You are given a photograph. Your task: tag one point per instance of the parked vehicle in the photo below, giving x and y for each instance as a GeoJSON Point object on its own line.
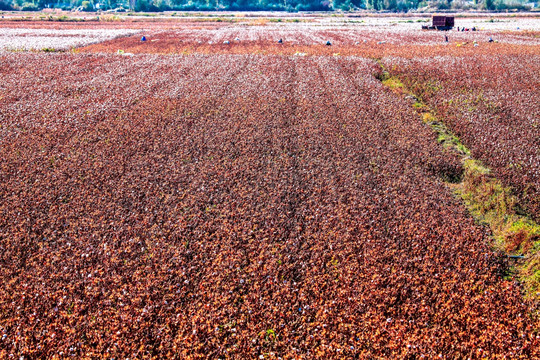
{"type": "Point", "coordinates": [440, 22]}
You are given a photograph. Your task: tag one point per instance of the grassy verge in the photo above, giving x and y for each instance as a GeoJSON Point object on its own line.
{"type": "Point", "coordinates": [486, 198]}
{"type": "Point", "coordinates": [491, 203]}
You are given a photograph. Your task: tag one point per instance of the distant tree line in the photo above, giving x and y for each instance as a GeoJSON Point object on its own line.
{"type": "Point", "coordinates": [275, 5]}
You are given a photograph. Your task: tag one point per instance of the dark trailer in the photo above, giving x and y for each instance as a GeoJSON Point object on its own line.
{"type": "Point", "coordinates": [441, 22]}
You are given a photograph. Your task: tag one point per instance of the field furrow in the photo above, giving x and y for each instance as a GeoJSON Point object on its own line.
{"type": "Point", "coordinates": [256, 207]}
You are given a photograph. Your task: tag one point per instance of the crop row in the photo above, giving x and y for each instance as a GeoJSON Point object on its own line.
{"type": "Point", "coordinates": [235, 207]}
{"type": "Point", "coordinates": [495, 111]}
{"type": "Point", "coordinates": [311, 40]}
{"type": "Point", "coordinates": [366, 37]}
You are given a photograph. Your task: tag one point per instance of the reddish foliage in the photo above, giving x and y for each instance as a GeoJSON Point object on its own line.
{"type": "Point", "coordinates": [170, 43]}
{"type": "Point", "coordinates": [232, 207]}
{"type": "Point", "coordinates": [491, 103]}
{"type": "Point", "coordinates": [310, 38]}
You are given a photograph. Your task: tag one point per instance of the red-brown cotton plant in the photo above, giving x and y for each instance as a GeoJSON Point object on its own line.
{"type": "Point", "coordinates": [235, 206]}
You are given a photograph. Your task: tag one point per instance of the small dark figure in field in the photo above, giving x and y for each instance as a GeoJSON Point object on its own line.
{"type": "Point", "coordinates": [280, 41]}
{"type": "Point", "coordinates": [446, 38]}
{"type": "Point", "coordinates": [328, 43]}
{"type": "Point", "coordinates": [143, 38]}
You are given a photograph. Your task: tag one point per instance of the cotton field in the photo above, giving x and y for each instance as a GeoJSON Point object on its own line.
{"type": "Point", "coordinates": [17, 39]}
{"type": "Point", "coordinates": [186, 188]}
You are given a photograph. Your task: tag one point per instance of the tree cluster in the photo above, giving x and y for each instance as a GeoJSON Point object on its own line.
{"type": "Point", "coordinates": [274, 5]}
